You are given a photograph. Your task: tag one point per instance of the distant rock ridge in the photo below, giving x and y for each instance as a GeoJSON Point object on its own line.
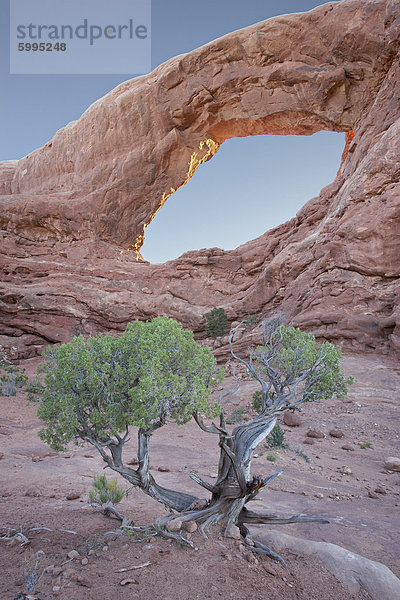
{"type": "Point", "coordinates": [73, 213]}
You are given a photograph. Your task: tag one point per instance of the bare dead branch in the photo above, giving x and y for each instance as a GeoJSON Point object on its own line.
{"type": "Point", "coordinates": [208, 486]}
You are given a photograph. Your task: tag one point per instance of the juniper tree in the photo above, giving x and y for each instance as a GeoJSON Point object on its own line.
{"type": "Point", "coordinates": [95, 389]}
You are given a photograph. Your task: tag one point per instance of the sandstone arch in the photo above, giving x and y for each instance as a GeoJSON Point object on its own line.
{"type": "Point", "coordinates": [89, 193]}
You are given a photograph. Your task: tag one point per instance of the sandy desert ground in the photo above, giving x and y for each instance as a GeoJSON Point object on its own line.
{"type": "Point", "coordinates": [343, 482]}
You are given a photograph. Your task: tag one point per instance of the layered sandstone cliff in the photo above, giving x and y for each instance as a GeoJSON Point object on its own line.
{"type": "Point", "coordinates": [73, 213]}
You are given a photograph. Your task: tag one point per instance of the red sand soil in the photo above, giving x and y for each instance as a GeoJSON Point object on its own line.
{"type": "Point", "coordinates": [336, 484]}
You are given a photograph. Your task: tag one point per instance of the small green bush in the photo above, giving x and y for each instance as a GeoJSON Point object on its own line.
{"type": "Point", "coordinates": [90, 545]}
{"type": "Point", "coordinates": [256, 403]}
{"type": "Point", "coordinates": [271, 457]}
{"type": "Point", "coordinates": [104, 491]}
{"type": "Point", "coordinates": [217, 322]}
{"type": "Point", "coordinates": [365, 445]}
{"type": "Point", "coordinates": [276, 438]}
{"type": "Point", "coordinates": [11, 377]}
{"type": "Point", "coordinates": [250, 321]}
{"type": "Point", "coordinates": [236, 417]}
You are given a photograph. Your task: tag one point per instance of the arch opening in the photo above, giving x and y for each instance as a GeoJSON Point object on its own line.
{"type": "Point", "coordinates": [252, 185]}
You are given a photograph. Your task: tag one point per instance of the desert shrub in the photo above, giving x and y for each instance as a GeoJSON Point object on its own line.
{"type": "Point", "coordinates": [235, 417]}
{"type": "Point", "coordinates": [250, 321]}
{"type": "Point", "coordinates": [217, 322]}
{"type": "Point", "coordinates": [365, 445]}
{"type": "Point", "coordinates": [91, 544]}
{"type": "Point", "coordinates": [276, 439]}
{"type": "Point", "coordinates": [104, 491]}
{"type": "Point", "coordinates": [34, 387]}
{"type": "Point", "coordinates": [256, 403]}
{"type": "Point", "coordinates": [32, 571]}
{"type": "Point", "coordinates": [11, 377]}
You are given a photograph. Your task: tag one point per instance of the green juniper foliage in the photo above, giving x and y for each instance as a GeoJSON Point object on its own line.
{"type": "Point", "coordinates": [298, 367]}
{"type": "Point", "coordinates": [217, 322]}
{"type": "Point", "coordinates": [97, 387]}
{"type": "Point", "coordinates": [250, 321]}
{"type": "Point", "coordinates": [256, 403]}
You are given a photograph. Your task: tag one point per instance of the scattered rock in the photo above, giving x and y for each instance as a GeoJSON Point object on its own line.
{"type": "Point", "coordinates": [73, 496]}
{"type": "Point", "coordinates": [319, 495]}
{"type": "Point", "coordinates": [251, 558]}
{"type": "Point", "coordinates": [190, 526]}
{"type": "Point", "coordinates": [214, 475]}
{"type": "Point", "coordinates": [380, 490]}
{"type": "Point", "coordinates": [72, 554]}
{"type": "Point", "coordinates": [37, 458]}
{"type": "Point", "coordinates": [174, 525]}
{"type": "Point", "coordinates": [291, 419]}
{"type": "Point", "coordinates": [88, 456]}
{"type": "Point", "coordinates": [348, 447]}
{"type": "Point", "coordinates": [309, 441]}
{"type": "Point", "coordinates": [392, 463]}
{"type": "Point", "coordinates": [315, 434]}
{"type": "Point", "coordinates": [336, 433]}
{"type": "Point", "coordinates": [6, 494]}
{"type": "Point", "coordinates": [1, 455]}
{"type": "Point", "coordinates": [32, 493]}
{"type": "Point", "coordinates": [85, 561]}
{"type": "Point", "coordinates": [270, 569]}
{"type": "Point", "coordinates": [128, 582]}
{"type": "Point", "coordinates": [55, 571]}
{"type": "Point", "coordinates": [232, 531]}
{"type": "Point", "coordinates": [84, 581]}
{"type": "Point", "coordinates": [164, 469]}
{"type": "Point", "coordinates": [227, 556]}
{"type": "Point", "coordinates": [346, 470]}
{"type": "Point", "coordinates": [372, 494]}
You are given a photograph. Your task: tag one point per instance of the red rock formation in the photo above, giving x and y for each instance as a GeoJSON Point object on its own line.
{"type": "Point", "coordinates": [69, 208]}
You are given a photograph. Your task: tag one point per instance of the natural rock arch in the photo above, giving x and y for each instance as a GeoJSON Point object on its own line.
{"type": "Point", "coordinates": [91, 191]}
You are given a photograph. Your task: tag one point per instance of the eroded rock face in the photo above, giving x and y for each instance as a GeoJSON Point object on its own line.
{"type": "Point", "coordinates": [71, 210]}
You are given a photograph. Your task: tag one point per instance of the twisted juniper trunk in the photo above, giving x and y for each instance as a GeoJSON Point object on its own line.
{"type": "Point", "coordinates": [141, 477]}
{"type": "Point", "coordinates": [232, 490]}
{"type": "Point", "coordinates": [176, 500]}
{"type": "Point", "coordinates": [234, 487]}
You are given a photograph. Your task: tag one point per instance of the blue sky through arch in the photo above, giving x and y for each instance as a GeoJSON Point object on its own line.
{"type": "Point", "coordinates": [251, 185]}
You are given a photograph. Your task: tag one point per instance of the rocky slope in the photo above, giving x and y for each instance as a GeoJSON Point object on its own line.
{"type": "Point", "coordinates": [73, 213]}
